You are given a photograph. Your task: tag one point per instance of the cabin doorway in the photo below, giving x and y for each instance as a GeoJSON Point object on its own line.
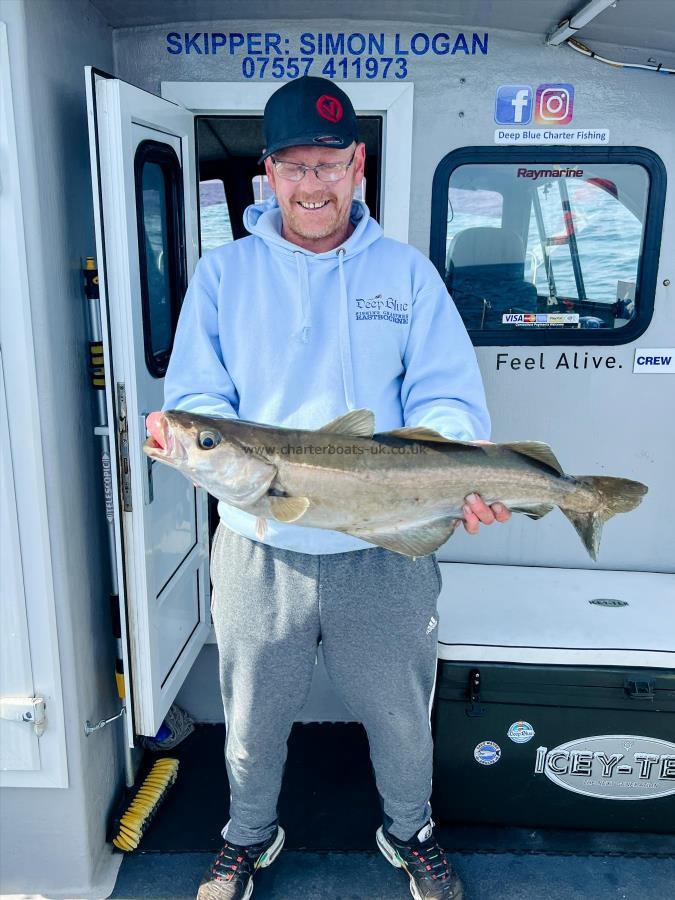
{"type": "Point", "coordinates": [231, 178]}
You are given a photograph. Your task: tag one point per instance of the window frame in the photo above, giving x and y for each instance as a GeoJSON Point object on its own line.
{"type": "Point", "coordinates": [645, 284]}
{"type": "Point", "coordinates": [163, 155]}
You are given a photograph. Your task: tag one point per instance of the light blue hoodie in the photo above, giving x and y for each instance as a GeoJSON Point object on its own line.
{"type": "Point", "coordinates": [273, 333]}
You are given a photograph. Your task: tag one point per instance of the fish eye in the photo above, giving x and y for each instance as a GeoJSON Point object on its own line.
{"type": "Point", "coordinates": [208, 439]}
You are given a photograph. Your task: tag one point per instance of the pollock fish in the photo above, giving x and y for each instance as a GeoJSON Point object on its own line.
{"type": "Point", "coordinates": [403, 490]}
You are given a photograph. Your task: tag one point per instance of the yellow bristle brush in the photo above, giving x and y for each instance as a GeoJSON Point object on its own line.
{"type": "Point", "coordinates": [131, 825]}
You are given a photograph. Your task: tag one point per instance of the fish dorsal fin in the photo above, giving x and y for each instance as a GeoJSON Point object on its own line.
{"type": "Point", "coordinates": [417, 540]}
{"type": "Point", "coordinates": [357, 423]}
{"type": "Point", "coordinates": [421, 433]}
{"type": "Point", "coordinates": [288, 509]}
{"type": "Point", "coordinates": [536, 450]}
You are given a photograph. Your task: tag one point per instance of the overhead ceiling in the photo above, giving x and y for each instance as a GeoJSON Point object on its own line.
{"type": "Point", "coordinates": [648, 24]}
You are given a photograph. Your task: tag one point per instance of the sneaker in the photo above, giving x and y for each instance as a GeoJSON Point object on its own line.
{"type": "Point", "coordinates": [431, 875]}
{"type": "Point", "coordinates": [230, 875]}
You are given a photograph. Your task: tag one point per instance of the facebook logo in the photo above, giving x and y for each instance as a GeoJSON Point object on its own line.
{"type": "Point", "coordinates": [514, 104]}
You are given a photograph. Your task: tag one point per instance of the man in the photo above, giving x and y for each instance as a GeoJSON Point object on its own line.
{"type": "Point", "coordinates": [314, 314]}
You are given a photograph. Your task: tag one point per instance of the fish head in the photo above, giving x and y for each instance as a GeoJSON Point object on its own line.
{"type": "Point", "coordinates": [210, 452]}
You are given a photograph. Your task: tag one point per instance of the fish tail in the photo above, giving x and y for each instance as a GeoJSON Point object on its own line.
{"type": "Point", "coordinates": [615, 495]}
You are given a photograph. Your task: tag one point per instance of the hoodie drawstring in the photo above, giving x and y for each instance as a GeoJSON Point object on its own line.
{"type": "Point", "coordinates": [303, 289]}
{"type": "Point", "coordinates": [345, 340]}
{"type": "Point", "coordinates": [343, 320]}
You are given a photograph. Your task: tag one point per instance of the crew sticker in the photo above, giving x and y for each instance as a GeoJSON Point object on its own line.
{"type": "Point", "coordinates": [487, 753]}
{"type": "Point", "coordinates": [520, 732]}
{"type": "Point", "coordinates": [656, 362]}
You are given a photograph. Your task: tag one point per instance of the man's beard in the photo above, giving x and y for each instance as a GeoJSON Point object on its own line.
{"type": "Point", "coordinates": [299, 225]}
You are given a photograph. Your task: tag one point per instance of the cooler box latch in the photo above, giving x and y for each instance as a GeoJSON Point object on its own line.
{"type": "Point", "coordinates": [475, 709]}
{"type": "Point", "coordinates": [639, 689]}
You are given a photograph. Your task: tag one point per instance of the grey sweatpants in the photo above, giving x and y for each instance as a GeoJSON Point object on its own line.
{"type": "Point", "coordinates": [375, 613]}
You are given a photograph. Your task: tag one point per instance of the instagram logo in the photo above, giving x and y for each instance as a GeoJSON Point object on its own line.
{"type": "Point", "coordinates": [554, 104]}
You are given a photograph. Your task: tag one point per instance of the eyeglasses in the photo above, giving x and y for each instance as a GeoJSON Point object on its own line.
{"type": "Point", "coordinates": [324, 172]}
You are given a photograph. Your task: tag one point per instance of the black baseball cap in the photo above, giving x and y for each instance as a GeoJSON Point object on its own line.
{"type": "Point", "coordinates": [309, 110]}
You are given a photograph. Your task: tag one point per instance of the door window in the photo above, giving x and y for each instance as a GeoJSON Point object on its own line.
{"type": "Point", "coordinates": [159, 213]}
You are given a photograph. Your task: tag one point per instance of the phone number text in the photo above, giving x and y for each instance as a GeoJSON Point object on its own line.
{"type": "Point", "coordinates": [296, 66]}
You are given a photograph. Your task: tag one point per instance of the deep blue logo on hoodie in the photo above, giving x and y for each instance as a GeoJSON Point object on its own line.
{"type": "Point", "coordinates": [381, 307]}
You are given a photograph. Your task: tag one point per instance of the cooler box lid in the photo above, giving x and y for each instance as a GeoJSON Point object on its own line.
{"type": "Point", "coordinates": [551, 616]}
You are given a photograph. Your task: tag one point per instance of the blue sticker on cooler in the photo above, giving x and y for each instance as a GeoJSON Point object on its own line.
{"type": "Point", "coordinates": [521, 732]}
{"type": "Point", "coordinates": [487, 753]}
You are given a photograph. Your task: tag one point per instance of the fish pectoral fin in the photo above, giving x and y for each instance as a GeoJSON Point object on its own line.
{"type": "Point", "coordinates": [417, 540]}
{"type": "Point", "coordinates": [357, 423]}
{"type": "Point", "coordinates": [536, 450]}
{"type": "Point", "coordinates": [533, 512]}
{"type": "Point", "coordinates": [288, 509]}
{"type": "Point", "coordinates": [421, 433]}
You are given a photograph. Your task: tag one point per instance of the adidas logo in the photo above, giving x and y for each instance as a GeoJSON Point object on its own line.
{"type": "Point", "coordinates": [433, 622]}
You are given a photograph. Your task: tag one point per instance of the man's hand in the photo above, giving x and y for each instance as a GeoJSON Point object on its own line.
{"type": "Point", "coordinates": [477, 513]}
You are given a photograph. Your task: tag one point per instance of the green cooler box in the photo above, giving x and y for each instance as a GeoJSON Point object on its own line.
{"type": "Point", "coordinates": [555, 699]}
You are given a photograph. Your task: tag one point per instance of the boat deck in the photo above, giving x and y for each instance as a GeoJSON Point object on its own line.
{"type": "Point", "coordinates": [330, 811]}
{"type": "Point", "coordinates": [302, 875]}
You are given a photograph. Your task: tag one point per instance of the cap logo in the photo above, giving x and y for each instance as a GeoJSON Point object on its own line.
{"type": "Point", "coordinates": [329, 108]}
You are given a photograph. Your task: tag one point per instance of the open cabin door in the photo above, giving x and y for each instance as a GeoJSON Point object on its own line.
{"type": "Point", "coordinates": [145, 199]}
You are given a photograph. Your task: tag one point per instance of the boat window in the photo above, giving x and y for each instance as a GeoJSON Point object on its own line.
{"type": "Point", "coordinates": [214, 216]}
{"type": "Point", "coordinates": [159, 213]}
{"type": "Point", "coordinates": [261, 188]}
{"type": "Point", "coordinates": [549, 245]}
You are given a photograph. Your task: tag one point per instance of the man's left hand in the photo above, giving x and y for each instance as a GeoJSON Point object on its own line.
{"type": "Point", "coordinates": [477, 512]}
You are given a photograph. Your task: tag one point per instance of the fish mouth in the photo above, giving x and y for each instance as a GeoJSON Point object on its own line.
{"type": "Point", "coordinates": [152, 447]}
{"type": "Point", "coordinates": [169, 450]}
{"type": "Point", "coordinates": [173, 456]}
{"type": "Point", "coordinates": [155, 450]}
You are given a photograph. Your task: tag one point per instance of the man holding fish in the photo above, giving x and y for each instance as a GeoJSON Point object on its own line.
{"type": "Point", "coordinates": [313, 316]}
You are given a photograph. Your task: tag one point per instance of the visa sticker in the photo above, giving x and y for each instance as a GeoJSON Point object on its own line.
{"type": "Point", "coordinates": [487, 753]}
{"type": "Point", "coordinates": [541, 319]}
{"type": "Point", "coordinates": [520, 732]}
